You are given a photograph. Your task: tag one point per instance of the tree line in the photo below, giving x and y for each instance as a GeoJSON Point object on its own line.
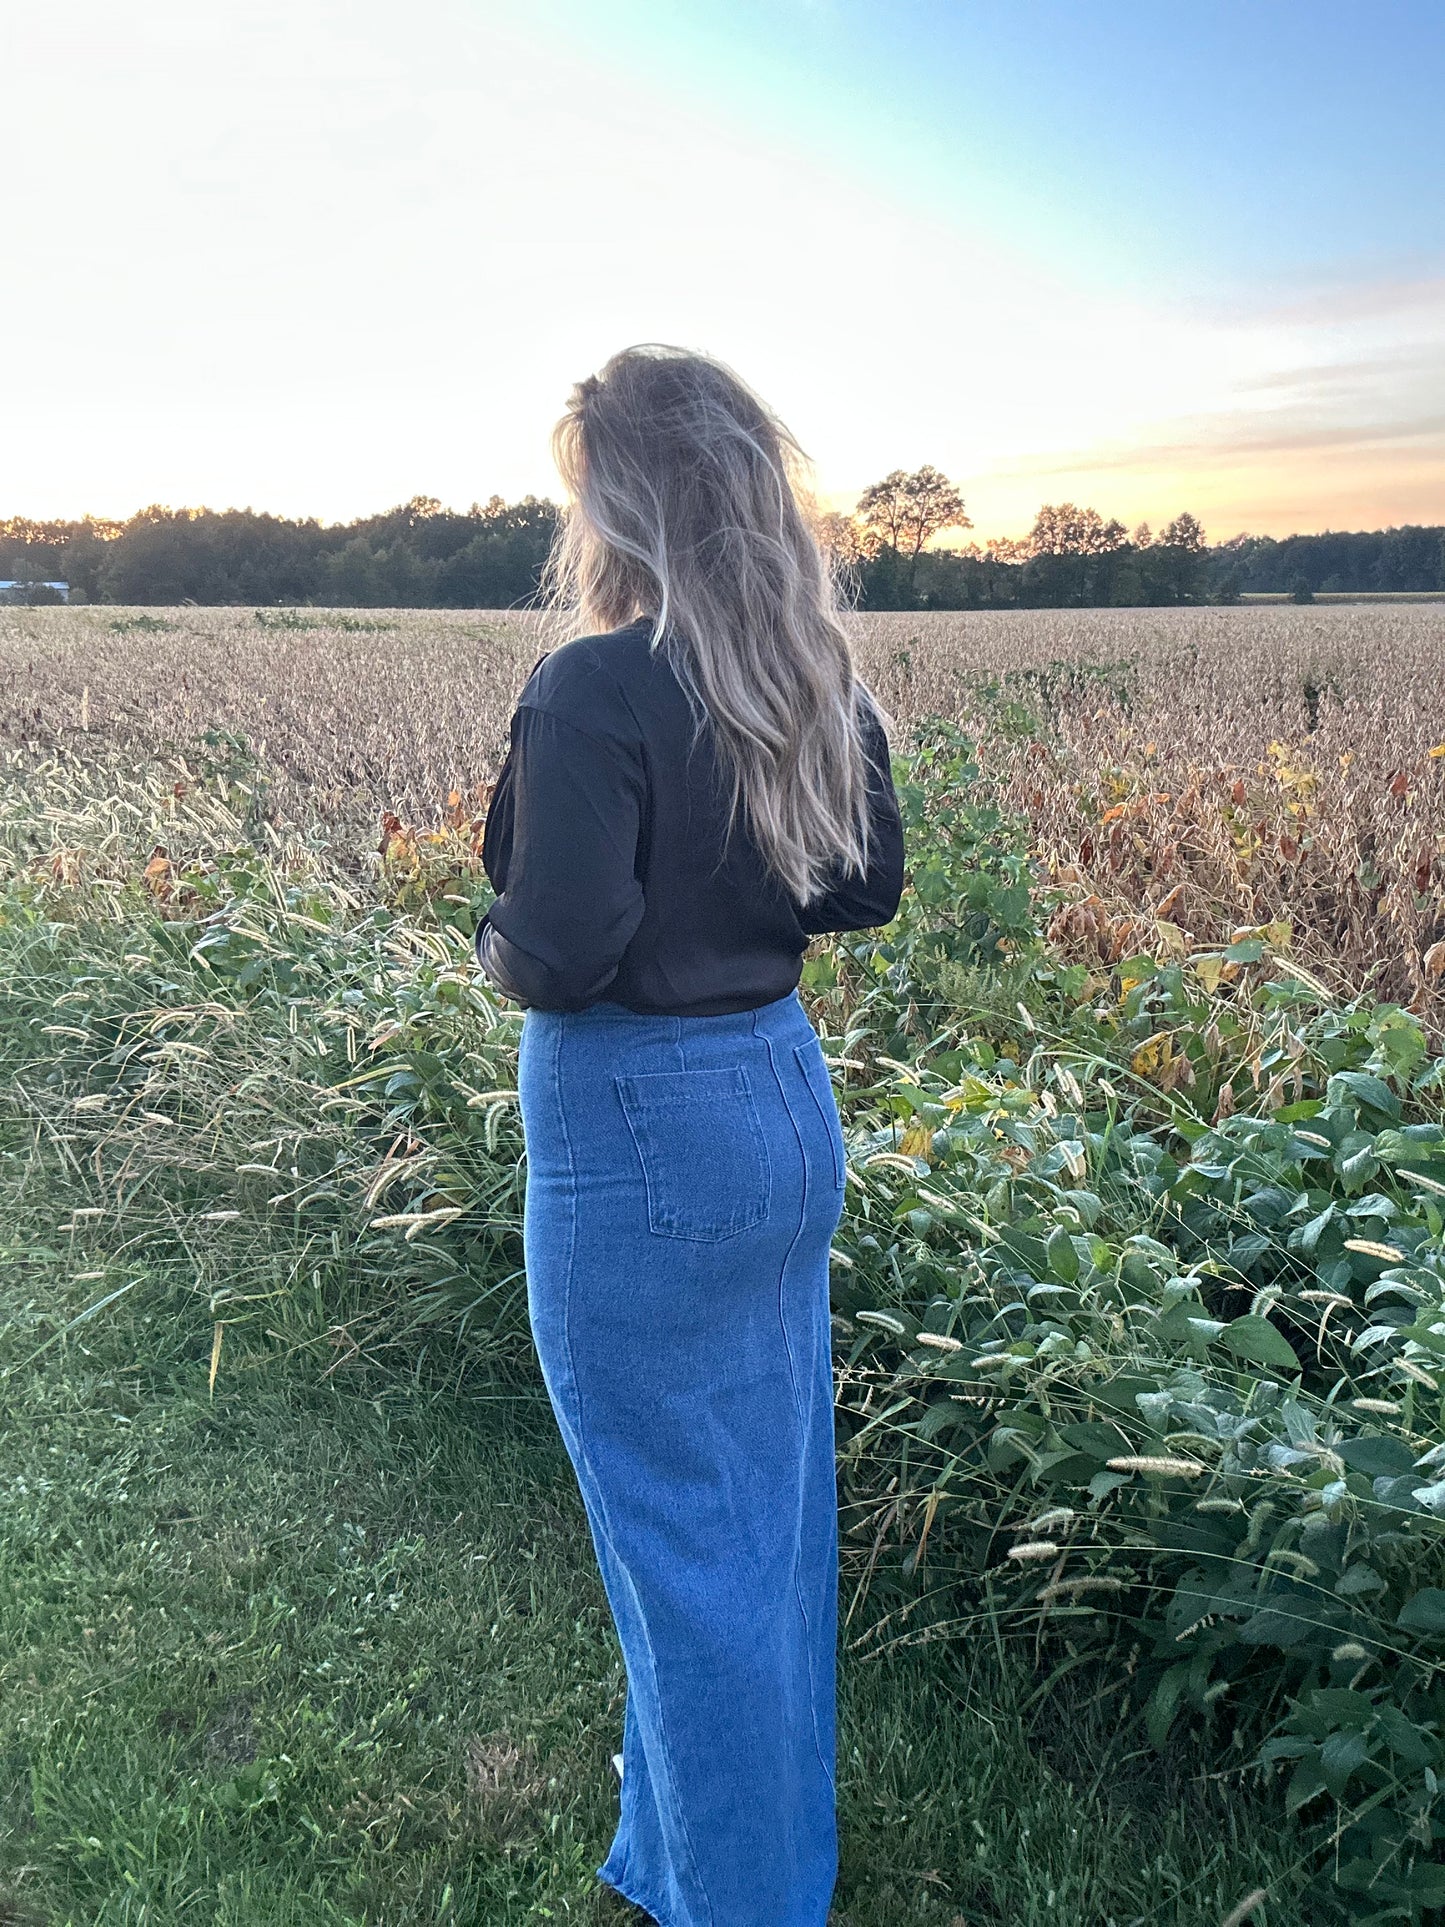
{"type": "Point", "coordinates": [490, 556]}
{"type": "Point", "coordinates": [416, 556]}
{"type": "Point", "coordinates": [1075, 557]}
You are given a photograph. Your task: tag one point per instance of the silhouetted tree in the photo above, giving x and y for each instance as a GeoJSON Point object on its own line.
{"type": "Point", "coordinates": [1067, 530]}
{"type": "Point", "coordinates": [904, 512]}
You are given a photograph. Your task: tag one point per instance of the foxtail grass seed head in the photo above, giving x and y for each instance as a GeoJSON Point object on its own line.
{"type": "Point", "coordinates": [1176, 1468]}
{"type": "Point", "coordinates": [1086, 1582]}
{"type": "Point", "coordinates": [1058, 1515]}
{"type": "Point", "coordinates": [887, 1321]}
{"type": "Point", "coordinates": [1251, 1904]}
{"type": "Point", "coordinates": [1413, 1371]}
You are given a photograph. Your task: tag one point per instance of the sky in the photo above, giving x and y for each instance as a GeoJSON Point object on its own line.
{"type": "Point", "coordinates": [318, 256]}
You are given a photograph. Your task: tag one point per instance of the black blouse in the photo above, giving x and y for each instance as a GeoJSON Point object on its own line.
{"type": "Point", "coordinates": [604, 841]}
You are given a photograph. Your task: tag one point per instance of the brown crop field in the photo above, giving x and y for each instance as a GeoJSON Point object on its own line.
{"type": "Point", "coordinates": [1183, 773]}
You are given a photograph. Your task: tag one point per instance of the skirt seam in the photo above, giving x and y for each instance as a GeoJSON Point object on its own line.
{"type": "Point", "coordinates": [798, 1407]}
{"type": "Point", "coordinates": [597, 1484]}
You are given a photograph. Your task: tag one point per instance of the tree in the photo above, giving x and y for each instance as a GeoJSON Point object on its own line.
{"type": "Point", "coordinates": [1176, 569]}
{"type": "Point", "coordinates": [840, 539]}
{"type": "Point", "coordinates": [1407, 558]}
{"type": "Point", "coordinates": [1184, 532]}
{"type": "Point", "coordinates": [904, 512]}
{"type": "Point", "coordinates": [1067, 530]}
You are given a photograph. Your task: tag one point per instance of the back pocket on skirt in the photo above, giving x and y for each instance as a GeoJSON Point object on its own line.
{"type": "Point", "coordinates": [701, 1147]}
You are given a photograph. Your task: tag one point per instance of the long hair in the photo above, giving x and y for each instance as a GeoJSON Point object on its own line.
{"type": "Point", "coordinates": [687, 504]}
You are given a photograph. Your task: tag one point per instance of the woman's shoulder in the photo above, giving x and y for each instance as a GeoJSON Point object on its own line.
{"type": "Point", "coordinates": [585, 682]}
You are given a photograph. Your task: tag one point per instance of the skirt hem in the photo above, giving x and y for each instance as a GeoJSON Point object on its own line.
{"type": "Point", "coordinates": [615, 1883]}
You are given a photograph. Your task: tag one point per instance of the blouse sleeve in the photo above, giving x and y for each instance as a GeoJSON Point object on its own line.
{"type": "Point", "coordinates": [863, 902]}
{"type": "Point", "coordinates": [570, 900]}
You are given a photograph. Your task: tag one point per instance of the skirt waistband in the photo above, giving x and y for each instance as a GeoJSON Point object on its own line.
{"type": "Point", "coordinates": [784, 1017]}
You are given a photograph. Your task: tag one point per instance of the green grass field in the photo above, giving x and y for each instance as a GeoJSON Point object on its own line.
{"type": "Point", "coordinates": [299, 1654]}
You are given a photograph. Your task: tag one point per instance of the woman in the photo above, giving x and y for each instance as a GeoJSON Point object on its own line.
{"type": "Point", "coordinates": [695, 786]}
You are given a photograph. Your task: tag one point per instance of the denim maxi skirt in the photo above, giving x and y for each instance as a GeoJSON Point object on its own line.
{"type": "Point", "coordinates": [684, 1181]}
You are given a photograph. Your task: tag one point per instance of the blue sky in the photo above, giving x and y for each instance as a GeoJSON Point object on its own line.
{"type": "Point", "coordinates": [1213, 142]}
{"type": "Point", "coordinates": [319, 255]}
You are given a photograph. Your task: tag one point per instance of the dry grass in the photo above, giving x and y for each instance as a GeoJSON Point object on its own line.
{"type": "Point", "coordinates": [1183, 772]}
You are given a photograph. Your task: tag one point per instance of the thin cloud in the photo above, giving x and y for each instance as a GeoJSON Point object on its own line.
{"type": "Point", "coordinates": [1234, 440]}
{"type": "Point", "coordinates": [1330, 378]}
{"type": "Point", "coordinates": [1365, 301]}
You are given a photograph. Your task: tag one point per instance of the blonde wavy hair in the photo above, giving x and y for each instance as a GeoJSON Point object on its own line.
{"type": "Point", "coordinates": [688, 503]}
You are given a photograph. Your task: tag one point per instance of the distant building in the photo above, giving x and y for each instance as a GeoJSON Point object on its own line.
{"type": "Point", "coordinates": [32, 592]}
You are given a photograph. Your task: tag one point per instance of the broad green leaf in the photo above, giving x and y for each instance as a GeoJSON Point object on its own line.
{"type": "Point", "coordinates": [1339, 1756]}
{"type": "Point", "coordinates": [1367, 1090]}
{"type": "Point", "coordinates": [1424, 1612]}
{"type": "Point", "coordinates": [1358, 1579]}
{"type": "Point", "coordinates": [1099, 1441]}
{"type": "Point", "coordinates": [1255, 1339]}
{"type": "Point", "coordinates": [1377, 1455]}
{"type": "Point", "coordinates": [1406, 1741]}
{"type": "Point", "coordinates": [1062, 1256]}
{"type": "Point", "coordinates": [1305, 1782]}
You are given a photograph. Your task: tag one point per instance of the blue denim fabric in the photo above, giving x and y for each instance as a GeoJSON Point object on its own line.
{"type": "Point", "coordinates": [684, 1181]}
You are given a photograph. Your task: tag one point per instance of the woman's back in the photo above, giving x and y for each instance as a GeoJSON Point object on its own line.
{"type": "Point", "coordinates": [607, 844]}
{"type": "Point", "coordinates": [694, 786]}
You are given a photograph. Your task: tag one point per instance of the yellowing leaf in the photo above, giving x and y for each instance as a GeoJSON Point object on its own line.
{"type": "Point", "coordinates": [917, 1141]}
{"type": "Point", "coordinates": [1152, 1055]}
{"type": "Point", "coordinates": [1209, 971]}
{"type": "Point", "coordinates": [159, 875]}
{"type": "Point", "coordinates": [1435, 752]}
{"type": "Point", "coordinates": [972, 1093]}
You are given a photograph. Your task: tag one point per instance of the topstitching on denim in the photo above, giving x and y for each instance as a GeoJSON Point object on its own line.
{"type": "Point", "coordinates": [569, 1273]}
{"type": "Point", "coordinates": [798, 1404]}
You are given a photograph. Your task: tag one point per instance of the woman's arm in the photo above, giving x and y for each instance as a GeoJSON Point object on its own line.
{"type": "Point", "coordinates": [863, 902]}
{"type": "Point", "coordinates": [571, 902]}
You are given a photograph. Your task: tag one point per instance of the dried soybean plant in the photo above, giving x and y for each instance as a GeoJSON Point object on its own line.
{"type": "Point", "coordinates": [348, 712]}
{"type": "Point", "coordinates": [1183, 772]}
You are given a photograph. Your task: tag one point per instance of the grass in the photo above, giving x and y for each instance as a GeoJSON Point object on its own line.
{"type": "Point", "coordinates": [324, 1647]}
{"type": "Point", "coordinates": [290, 1654]}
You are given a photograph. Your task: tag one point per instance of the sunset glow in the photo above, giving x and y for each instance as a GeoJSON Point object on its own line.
{"type": "Point", "coordinates": [318, 258]}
